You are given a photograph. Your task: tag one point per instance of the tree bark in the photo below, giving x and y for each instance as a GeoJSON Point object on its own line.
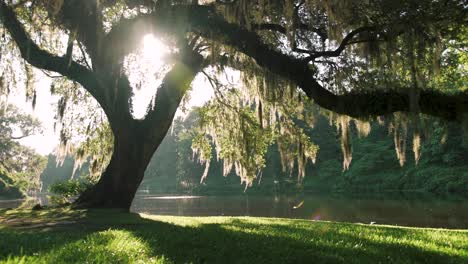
{"type": "Point", "coordinates": [135, 141]}
{"type": "Point", "coordinates": [120, 181]}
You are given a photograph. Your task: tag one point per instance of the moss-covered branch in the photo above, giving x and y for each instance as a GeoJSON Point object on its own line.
{"type": "Point", "coordinates": [204, 20]}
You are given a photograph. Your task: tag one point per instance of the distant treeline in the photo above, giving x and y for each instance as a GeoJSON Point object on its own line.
{"type": "Point", "coordinates": [7, 186]}
{"type": "Point", "coordinates": [442, 168]}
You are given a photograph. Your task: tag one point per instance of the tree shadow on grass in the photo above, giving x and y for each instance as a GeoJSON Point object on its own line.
{"type": "Point", "coordinates": [119, 238]}
{"type": "Point", "coordinates": [243, 242]}
{"type": "Point", "coordinates": [353, 243]}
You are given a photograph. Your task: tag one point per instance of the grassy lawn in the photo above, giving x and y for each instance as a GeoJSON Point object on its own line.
{"type": "Point", "coordinates": [103, 236]}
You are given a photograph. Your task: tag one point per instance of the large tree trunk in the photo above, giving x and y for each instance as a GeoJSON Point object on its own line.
{"type": "Point", "coordinates": [118, 184]}
{"type": "Point", "coordinates": [135, 141]}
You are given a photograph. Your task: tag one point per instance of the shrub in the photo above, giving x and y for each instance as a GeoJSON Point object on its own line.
{"type": "Point", "coordinates": [64, 192]}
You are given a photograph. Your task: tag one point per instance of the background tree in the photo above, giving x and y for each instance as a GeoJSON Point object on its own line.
{"type": "Point", "coordinates": [351, 57]}
{"type": "Point", "coordinates": [22, 165]}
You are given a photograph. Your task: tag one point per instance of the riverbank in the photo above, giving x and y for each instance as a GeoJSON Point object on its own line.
{"type": "Point", "coordinates": [104, 236]}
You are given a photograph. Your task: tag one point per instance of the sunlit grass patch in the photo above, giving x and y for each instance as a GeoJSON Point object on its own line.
{"type": "Point", "coordinates": [110, 236]}
{"type": "Point", "coordinates": [110, 246]}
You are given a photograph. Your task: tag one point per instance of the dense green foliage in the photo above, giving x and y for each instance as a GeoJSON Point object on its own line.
{"type": "Point", "coordinates": [65, 191]}
{"type": "Point", "coordinates": [7, 186]}
{"type": "Point", "coordinates": [442, 167]}
{"type": "Point", "coordinates": [110, 236]}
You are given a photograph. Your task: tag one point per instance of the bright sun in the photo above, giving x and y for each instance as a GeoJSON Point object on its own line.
{"type": "Point", "coordinates": [145, 69]}
{"type": "Point", "coordinates": [153, 50]}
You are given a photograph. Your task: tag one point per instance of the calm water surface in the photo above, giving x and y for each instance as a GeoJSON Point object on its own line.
{"type": "Point", "coordinates": [8, 203]}
{"type": "Point", "coordinates": [422, 212]}
{"type": "Point", "coordinates": [394, 210]}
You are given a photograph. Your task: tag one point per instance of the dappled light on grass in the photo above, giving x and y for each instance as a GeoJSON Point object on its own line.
{"type": "Point", "coordinates": [110, 236]}
{"type": "Point", "coordinates": [110, 246]}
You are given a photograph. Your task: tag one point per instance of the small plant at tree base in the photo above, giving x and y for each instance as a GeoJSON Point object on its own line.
{"type": "Point", "coordinates": [64, 192]}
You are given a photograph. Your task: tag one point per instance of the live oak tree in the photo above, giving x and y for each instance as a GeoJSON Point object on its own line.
{"type": "Point", "coordinates": [356, 59]}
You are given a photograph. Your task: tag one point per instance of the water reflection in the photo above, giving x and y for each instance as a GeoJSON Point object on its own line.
{"type": "Point", "coordinates": [8, 203]}
{"type": "Point", "coordinates": [170, 197]}
{"type": "Point", "coordinates": [422, 211]}
{"type": "Point", "coordinates": [406, 211]}
{"type": "Point", "coordinates": [23, 203]}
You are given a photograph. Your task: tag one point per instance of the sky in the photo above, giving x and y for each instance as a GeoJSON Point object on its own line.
{"type": "Point", "coordinates": [44, 111]}
{"type": "Point", "coordinates": [149, 61]}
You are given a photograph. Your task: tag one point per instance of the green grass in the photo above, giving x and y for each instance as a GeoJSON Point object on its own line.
{"type": "Point", "coordinates": [103, 236]}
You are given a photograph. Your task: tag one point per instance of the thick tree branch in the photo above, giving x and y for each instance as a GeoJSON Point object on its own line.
{"type": "Point", "coordinates": [345, 42]}
{"type": "Point", "coordinates": [204, 21]}
{"type": "Point", "coordinates": [270, 26]}
{"type": "Point", "coordinates": [41, 59]}
{"type": "Point", "coordinates": [281, 29]}
{"type": "Point", "coordinates": [170, 93]}
{"type": "Point", "coordinates": [84, 19]}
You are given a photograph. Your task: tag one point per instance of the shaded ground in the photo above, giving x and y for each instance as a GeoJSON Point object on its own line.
{"type": "Point", "coordinates": [98, 236]}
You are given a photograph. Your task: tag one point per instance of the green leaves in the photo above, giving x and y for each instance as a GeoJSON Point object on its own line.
{"type": "Point", "coordinates": [242, 124]}
{"type": "Point", "coordinates": [23, 164]}
{"type": "Point", "coordinates": [64, 191]}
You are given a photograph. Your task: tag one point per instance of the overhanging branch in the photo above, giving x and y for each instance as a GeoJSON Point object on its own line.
{"type": "Point", "coordinates": [171, 91]}
{"type": "Point", "coordinates": [42, 59]}
{"type": "Point", "coordinates": [84, 19]}
{"type": "Point", "coordinates": [205, 22]}
{"type": "Point", "coordinates": [281, 29]}
{"type": "Point", "coordinates": [345, 42]}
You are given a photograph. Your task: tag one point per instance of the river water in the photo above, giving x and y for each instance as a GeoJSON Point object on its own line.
{"type": "Point", "coordinates": [419, 211]}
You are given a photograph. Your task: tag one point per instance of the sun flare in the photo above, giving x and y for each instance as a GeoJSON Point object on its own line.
{"type": "Point", "coordinates": [145, 70]}
{"type": "Point", "coordinates": [153, 50]}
